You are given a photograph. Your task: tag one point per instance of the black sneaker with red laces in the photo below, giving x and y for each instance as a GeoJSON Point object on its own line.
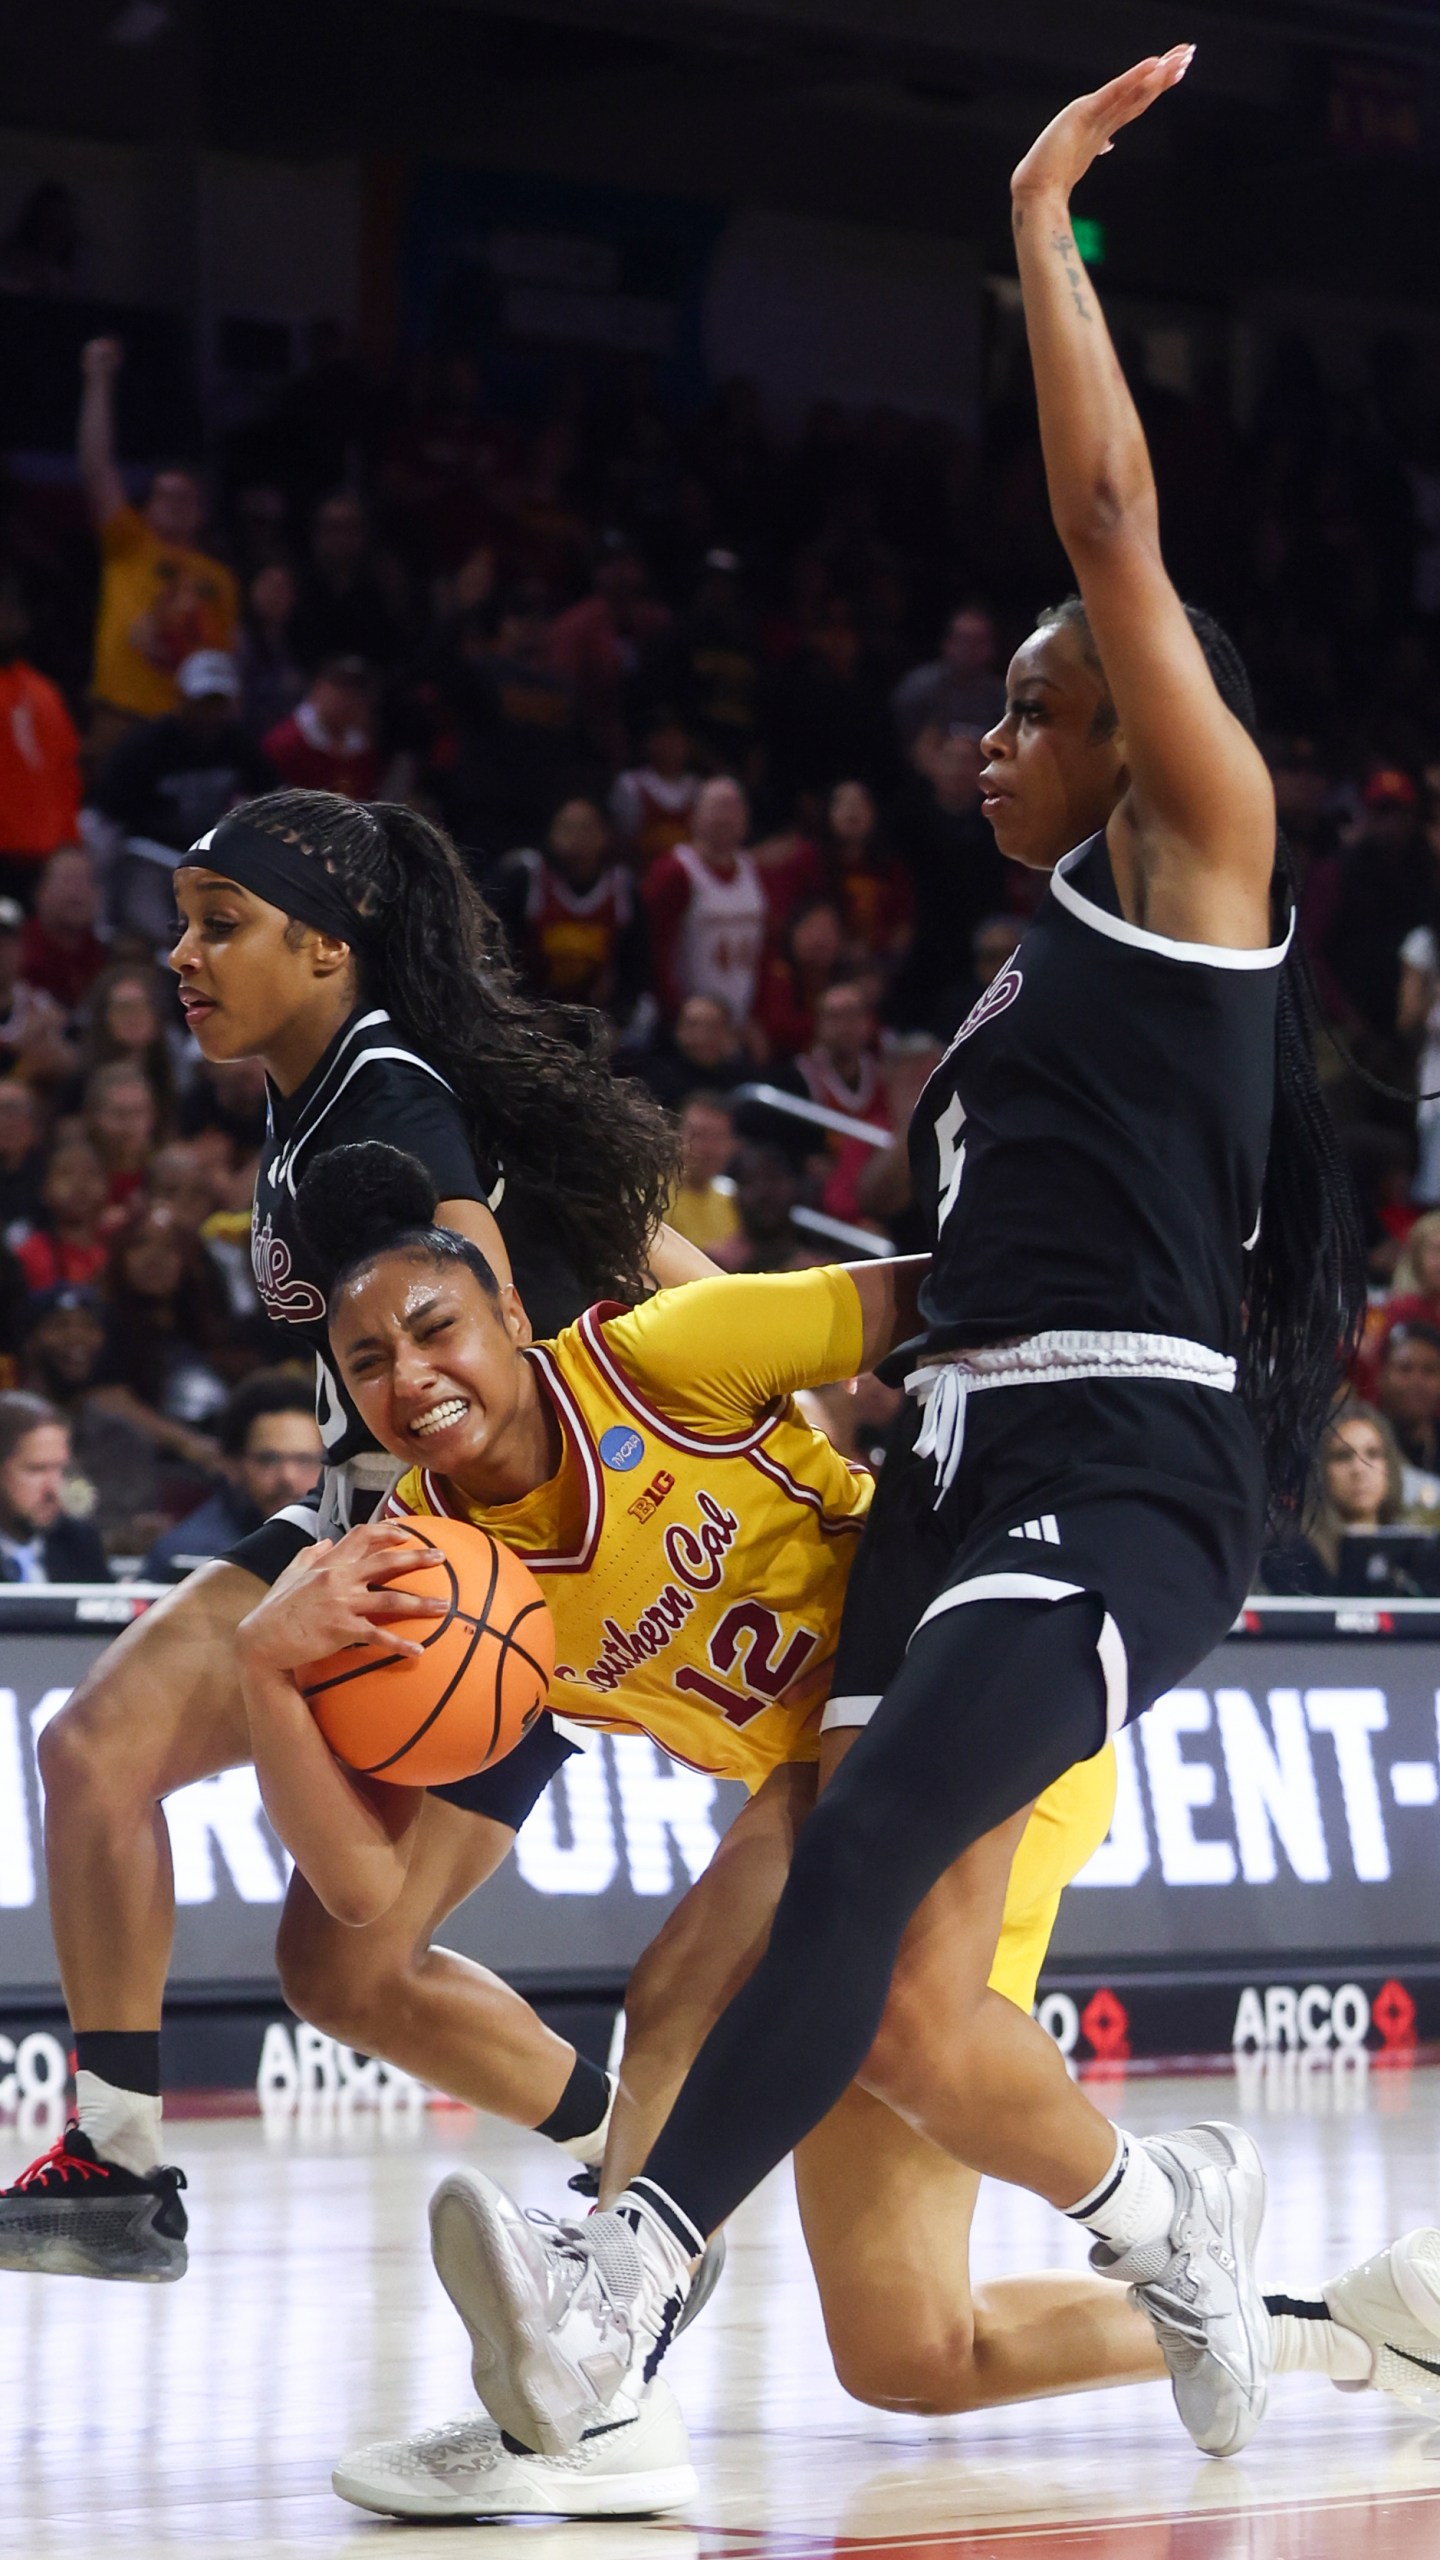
{"type": "Point", "coordinates": [73, 2214]}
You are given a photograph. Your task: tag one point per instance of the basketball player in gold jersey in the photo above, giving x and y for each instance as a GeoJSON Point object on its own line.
{"type": "Point", "coordinates": [692, 1535]}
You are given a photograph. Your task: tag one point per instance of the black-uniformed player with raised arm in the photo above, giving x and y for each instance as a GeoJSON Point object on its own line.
{"type": "Point", "coordinates": [345, 946]}
{"type": "Point", "coordinates": [1144, 1275]}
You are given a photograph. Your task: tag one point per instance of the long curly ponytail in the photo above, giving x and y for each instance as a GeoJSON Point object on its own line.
{"type": "Point", "coordinates": [1305, 1279]}
{"type": "Point", "coordinates": [589, 1157]}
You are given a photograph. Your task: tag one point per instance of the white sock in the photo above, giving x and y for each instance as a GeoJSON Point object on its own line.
{"type": "Point", "coordinates": [1310, 2341]}
{"type": "Point", "coordinates": [1134, 2201]}
{"type": "Point", "coordinates": [123, 2124]}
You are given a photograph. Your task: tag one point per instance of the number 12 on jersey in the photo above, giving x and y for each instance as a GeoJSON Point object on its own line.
{"type": "Point", "coordinates": [755, 1633]}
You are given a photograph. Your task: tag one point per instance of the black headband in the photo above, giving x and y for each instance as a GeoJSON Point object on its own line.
{"type": "Point", "coordinates": [277, 871]}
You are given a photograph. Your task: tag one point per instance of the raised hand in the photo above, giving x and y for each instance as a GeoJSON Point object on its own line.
{"type": "Point", "coordinates": [1058, 159]}
{"type": "Point", "coordinates": [334, 1594]}
{"type": "Point", "coordinates": [100, 358]}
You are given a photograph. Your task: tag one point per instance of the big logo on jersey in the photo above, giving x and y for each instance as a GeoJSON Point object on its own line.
{"type": "Point", "coordinates": [1002, 991]}
{"type": "Point", "coordinates": [285, 1299]}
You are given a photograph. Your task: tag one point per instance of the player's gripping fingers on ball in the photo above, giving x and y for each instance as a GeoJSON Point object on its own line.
{"type": "Point", "coordinates": [334, 1595]}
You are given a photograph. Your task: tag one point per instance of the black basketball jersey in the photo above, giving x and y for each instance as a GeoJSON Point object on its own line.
{"type": "Point", "coordinates": [1091, 1149]}
{"type": "Point", "coordinates": [371, 1084]}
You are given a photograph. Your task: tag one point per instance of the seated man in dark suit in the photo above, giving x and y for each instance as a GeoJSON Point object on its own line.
{"type": "Point", "coordinates": [38, 1540]}
{"type": "Point", "coordinates": [269, 1433]}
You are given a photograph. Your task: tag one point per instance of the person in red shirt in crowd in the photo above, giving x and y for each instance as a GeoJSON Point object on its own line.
{"type": "Point", "coordinates": [805, 958]}
{"type": "Point", "coordinates": [707, 910]}
{"type": "Point", "coordinates": [571, 913]}
{"type": "Point", "coordinates": [870, 884]}
{"type": "Point", "coordinates": [328, 742]}
{"type": "Point", "coordinates": [39, 756]}
{"type": "Point", "coordinates": [68, 1244]}
{"type": "Point", "coordinates": [60, 950]}
{"type": "Point", "coordinates": [1416, 1300]}
{"type": "Point", "coordinates": [596, 646]}
{"type": "Point", "coordinates": [653, 805]}
{"type": "Point", "coordinates": [122, 1120]}
{"type": "Point", "coordinates": [842, 1072]}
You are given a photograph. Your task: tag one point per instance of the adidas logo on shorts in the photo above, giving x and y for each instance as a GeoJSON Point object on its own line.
{"type": "Point", "coordinates": [1044, 1531]}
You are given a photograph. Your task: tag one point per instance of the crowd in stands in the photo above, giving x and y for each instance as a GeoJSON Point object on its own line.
{"type": "Point", "coordinates": [703, 711]}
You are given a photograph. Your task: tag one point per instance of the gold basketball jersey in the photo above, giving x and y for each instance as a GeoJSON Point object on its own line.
{"type": "Point", "coordinates": [695, 1543]}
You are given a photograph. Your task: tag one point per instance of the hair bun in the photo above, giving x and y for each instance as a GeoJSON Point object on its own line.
{"type": "Point", "coordinates": [353, 1200]}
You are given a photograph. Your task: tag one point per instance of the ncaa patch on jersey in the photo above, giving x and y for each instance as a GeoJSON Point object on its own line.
{"type": "Point", "coordinates": [621, 1448]}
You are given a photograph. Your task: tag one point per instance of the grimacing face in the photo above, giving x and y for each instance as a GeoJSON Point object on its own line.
{"type": "Point", "coordinates": [431, 1359]}
{"type": "Point", "coordinates": [1049, 780]}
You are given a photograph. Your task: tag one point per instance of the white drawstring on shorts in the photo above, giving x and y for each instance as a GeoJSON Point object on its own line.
{"type": "Point", "coordinates": [944, 1386]}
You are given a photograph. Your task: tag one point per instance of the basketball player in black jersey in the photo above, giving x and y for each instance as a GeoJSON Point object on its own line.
{"type": "Point", "coordinates": [345, 946]}
{"type": "Point", "coordinates": [1144, 1279]}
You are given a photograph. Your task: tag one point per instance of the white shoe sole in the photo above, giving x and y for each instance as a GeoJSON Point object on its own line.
{"type": "Point", "coordinates": [1236, 2149]}
{"type": "Point", "coordinates": [643, 2493]}
{"type": "Point", "coordinates": [481, 2247]}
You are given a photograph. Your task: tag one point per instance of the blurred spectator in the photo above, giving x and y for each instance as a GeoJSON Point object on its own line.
{"type": "Point", "coordinates": [767, 1190]}
{"type": "Point", "coordinates": [1361, 1487]}
{"type": "Point", "coordinates": [514, 740]}
{"type": "Point", "coordinates": [707, 908]}
{"type": "Point", "coordinates": [168, 783]}
{"type": "Point", "coordinates": [33, 1039]}
{"type": "Point", "coordinates": [39, 1542]}
{"type": "Point", "coordinates": [702, 1205]}
{"type": "Point", "coordinates": [701, 1046]}
{"type": "Point", "coordinates": [824, 712]}
{"type": "Point", "coordinates": [841, 1071]}
{"type": "Point", "coordinates": [62, 1359]}
{"type": "Point", "coordinates": [957, 875]}
{"type": "Point", "coordinates": [1387, 887]}
{"type": "Point", "coordinates": [185, 1180]}
{"type": "Point", "coordinates": [1407, 1392]}
{"type": "Point", "coordinates": [66, 1245]}
{"type": "Point", "coordinates": [60, 951]}
{"type": "Point", "coordinates": [596, 647]}
{"type": "Point", "coordinates": [328, 741]}
{"type": "Point", "coordinates": [805, 958]}
{"type": "Point", "coordinates": [271, 677]}
{"type": "Point", "coordinates": [571, 914]}
{"type": "Point", "coordinates": [161, 597]}
{"type": "Point", "coordinates": [961, 686]}
{"type": "Point", "coordinates": [22, 1154]}
{"type": "Point", "coordinates": [870, 884]}
{"type": "Point", "coordinates": [855, 1415]}
{"type": "Point", "coordinates": [269, 1435]}
{"type": "Point", "coordinates": [708, 667]}
{"type": "Point", "coordinates": [127, 1022]}
{"type": "Point", "coordinates": [993, 944]}
{"type": "Point", "coordinates": [166, 1317]}
{"type": "Point", "coordinates": [39, 756]}
{"type": "Point", "coordinates": [343, 611]}
{"type": "Point", "coordinates": [653, 805]}
{"type": "Point", "coordinates": [122, 1121]}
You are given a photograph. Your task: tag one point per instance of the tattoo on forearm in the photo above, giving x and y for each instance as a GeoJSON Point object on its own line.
{"type": "Point", "coordinates": [1064, 242]}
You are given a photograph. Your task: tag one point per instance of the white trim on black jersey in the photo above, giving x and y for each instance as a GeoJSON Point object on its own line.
{"type": "Point", "coordinates": [322, 1102]}
{"type": "Point", "coordinates": [1205, 955]}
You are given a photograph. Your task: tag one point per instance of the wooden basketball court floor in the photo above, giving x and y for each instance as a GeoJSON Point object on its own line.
{"type": "Point", "coordinates": [204, 2417]}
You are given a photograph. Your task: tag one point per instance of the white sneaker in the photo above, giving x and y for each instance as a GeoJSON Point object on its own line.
{"type": "Point", "coordinates": [1392, 2301]}
{"type": "Point", "coordinates": [1198, 2285]}
{"type": "Point", "coordinates": [635, 2462]}
{"type": "Point", "coordinates": [559, 2314]}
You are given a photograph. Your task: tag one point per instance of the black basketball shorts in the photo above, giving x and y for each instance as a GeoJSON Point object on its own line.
{"type": "Point", "coordinates": [1144, 1494]}
{"type": "Point", "coordinates": [345, 1498]}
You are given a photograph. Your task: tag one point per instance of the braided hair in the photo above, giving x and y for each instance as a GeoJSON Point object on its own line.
{"type": "Point", "coordinates": [588, 1157]}
{"type": "Point", "coordinates": [1305, 1282]}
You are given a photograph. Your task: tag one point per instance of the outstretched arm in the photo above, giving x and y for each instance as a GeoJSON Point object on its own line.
{"type": "Point", "coordinates": [100, 361]}
{"type": "Point", "coordinates": [1196, 830]}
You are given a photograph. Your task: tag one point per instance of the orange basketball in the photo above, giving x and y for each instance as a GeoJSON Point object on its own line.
{"type": "Point", "coordinates": [425, 1720]}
